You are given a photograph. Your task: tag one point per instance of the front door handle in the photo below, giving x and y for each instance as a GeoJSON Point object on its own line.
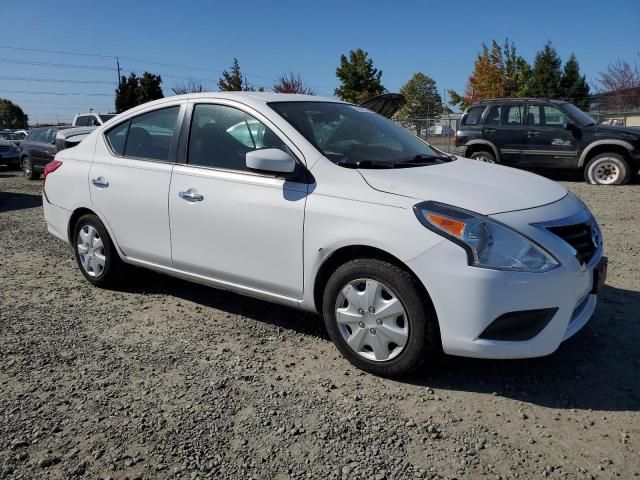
{"type": "Point", "coordinates": [100, 182]}
{"type": "Point", "coordinates": [533, 133]}
{"type": "Point", "coordinates": [190, 196]}
{"type": "Point", "coordinates": [489, 130]}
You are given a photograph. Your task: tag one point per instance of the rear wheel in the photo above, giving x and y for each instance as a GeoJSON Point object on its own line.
{"type": "Point", "coordinates": [378, 319]}
{"type": "Point", "coordinates": [607, 169]}
{"type": "Point", "coordinates": [95, 253]}
{"type": "Point", "coordinates": [484, 156]}
{"type": "Point", "coordinates": [27, 169]}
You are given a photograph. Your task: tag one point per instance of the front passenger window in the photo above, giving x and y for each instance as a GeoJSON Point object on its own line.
{"type": "Point", "coordinates": [221, 136]}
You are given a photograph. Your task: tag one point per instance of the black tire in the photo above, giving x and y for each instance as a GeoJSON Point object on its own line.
{"type": "Point", "coordinates": [423, 340]}
{"type": "Point", "coordinates": [27, 169]}
{"type": "Point", "coordinates": [597, 168]}
{"type": "Point", "coordinates": [114, 268]}
{"type": "Point", "coordinates": [483, 156]}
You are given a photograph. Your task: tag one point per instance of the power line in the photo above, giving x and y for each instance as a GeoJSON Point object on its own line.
{"type": "Point", "coordinates": [58, 93]}
{"type": "Point", "coordinates": [148, 62]}
{"type": "Point", "coordinates": [56, 80]}
{"type": "Point", "coordinates": [59, 65]}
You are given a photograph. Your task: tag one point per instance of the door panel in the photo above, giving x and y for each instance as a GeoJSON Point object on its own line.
{"type": "Point", "coordinates": [129, 182]}
{"type": "Point", "coordinates": [246, 229]}
{"type": "Point", "coordinates": [134, 204]}
{"type": "Point", "coordinates": [504, 128]}
{"type": "Point", "coordinates": [548, 143]}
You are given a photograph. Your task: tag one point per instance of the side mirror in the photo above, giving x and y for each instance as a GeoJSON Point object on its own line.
{"type": "Point", "coordinates": [569, 126]}
{"type": "Point", "coordinates": [270, 160]}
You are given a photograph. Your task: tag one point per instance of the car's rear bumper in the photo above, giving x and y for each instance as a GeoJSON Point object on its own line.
{"type": "Point", "coordinates": [57, 218]}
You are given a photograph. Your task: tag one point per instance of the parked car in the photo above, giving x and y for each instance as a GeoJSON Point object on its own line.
{"type": "Point", "coordinates": [71, 137]}
{"type": "Point", "coordinates": [403, 249]}
{"type": "Point", "coordinates": [533, 132]}
{"type": "Point", "coordinates": [91, 119]}
{"type": "Point", "coordinates": [9, 151]}
{"type": "Point", "coordinates": [37, 150]}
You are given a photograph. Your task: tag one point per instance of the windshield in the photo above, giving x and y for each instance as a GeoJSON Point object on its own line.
{"type": "Point", "coordinates": [578, 115]}
{"type": "Point", "coordinates": [356, 137]}
{"type": "Point", "coordinates": [105, 117]}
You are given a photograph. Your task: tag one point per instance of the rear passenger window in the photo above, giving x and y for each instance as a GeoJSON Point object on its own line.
{"type": "Point", "coordinates": [513, 114]}
{"type": "Point", "coordinates": [493, 117]}
{"type": "Point", "coordinates": [473, 116]}
{"type": "Point", "coordinates": [150, 135]}
{"type": "Point", "coordinates": [117, 137]}
{"type": "Point", "coordinates": [145, 136]}
{"type": "Point", "coordinates": [534, 117]}
{"type": "Point", "coordinates": [221, 136]}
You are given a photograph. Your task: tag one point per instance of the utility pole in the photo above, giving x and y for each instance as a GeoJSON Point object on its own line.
{"type": "Point", "coordinates": [118, 65]}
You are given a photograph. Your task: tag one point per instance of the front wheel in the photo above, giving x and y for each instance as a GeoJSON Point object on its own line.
{"type": "Point", "coordinates": [95, 253]}
{"type": "Point", "coordinates": [607, 169]}
{"type": "Point", "coordinates": [378, 319]}
{"type": "Point", "coordinates": [27, 169]}
{"type": "Point", "coordinates": [483, 156]}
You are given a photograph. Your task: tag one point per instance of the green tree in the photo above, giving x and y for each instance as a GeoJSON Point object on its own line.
{"type": "Point", "coordinates": [149, 88]}
{"type": "Point", "coordinates": [127, 93]}
{"type": "Point", "coordinates": [134, 90]}
{"type": "Point", "coordinates": [359, 79]}
{"type": "Point", "coordinates": [11, 115]}
{"type": "Point", "coordinates": [517, 72]}
{"type": "Point", "coordinates": [231, 81]}
{"type": "Point", "coordinates": [292, 83]}
{"type": "Point", "coordinates": [546, 74]}
{"type": "Point", "coordinates": [574, 87]}
{"type": "Point", "coordinates": [423, 99]}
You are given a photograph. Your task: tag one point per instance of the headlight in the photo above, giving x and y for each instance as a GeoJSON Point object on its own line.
{"type": "Point", "coordinates": [488, 243]}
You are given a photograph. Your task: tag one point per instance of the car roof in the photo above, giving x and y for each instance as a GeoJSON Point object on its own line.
{"type": "Point", "coordinates": [518, 99]}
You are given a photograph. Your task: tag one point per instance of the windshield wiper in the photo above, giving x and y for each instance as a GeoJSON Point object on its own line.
{"type": "Point", "coordinates": [424, 159]}
{"type": "Point", "coordinates": [366, 164]}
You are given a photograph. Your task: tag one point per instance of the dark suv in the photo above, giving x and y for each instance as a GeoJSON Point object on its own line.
{"type": "Point", "coordinates": [539, 133]}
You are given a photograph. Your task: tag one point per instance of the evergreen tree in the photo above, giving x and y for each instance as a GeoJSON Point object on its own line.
{"type": "Point", "coordinates": [546, 74]}
{"type": "Point", "coordinates": [574, 87]}
{"type": "Point", "coordinates": [127, 93]}
{"type": "Point", "coordinates": [517, 72]}
{"type": "Point", "coordinates": [11, 115]}
{"type": "Point", "coordinates": [149, 88]}
{"type": "Point", "coordinates": [231, 81]}
{"type": "Point", "coordinates": [359, 79]}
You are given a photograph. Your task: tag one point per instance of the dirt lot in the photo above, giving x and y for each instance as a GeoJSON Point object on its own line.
{"type": "Point", "coordinates": [166, 379]}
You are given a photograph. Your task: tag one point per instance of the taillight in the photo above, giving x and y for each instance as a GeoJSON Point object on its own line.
{"type": "Point", "coordinates": [50, 168]}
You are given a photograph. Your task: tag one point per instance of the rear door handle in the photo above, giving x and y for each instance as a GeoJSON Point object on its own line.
{"type": "Point", "coordinates": [533, 133]}
{"type": "Point", "coordinates": [191, 196]}
{"type": "Point", "coordinates": [100, 182]}
{"type": "Point", "coordinates": [490, 130]}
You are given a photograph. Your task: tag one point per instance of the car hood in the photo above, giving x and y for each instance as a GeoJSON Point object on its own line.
{"type": "Point", "coordinates": [480, 187]}
{"type": "Point", "coordinates": [618, 130]}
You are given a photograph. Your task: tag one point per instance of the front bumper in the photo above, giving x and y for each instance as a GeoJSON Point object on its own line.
{"type": "Point", "coordinates": [9, 158]}
{"type": "Point", "coordinates": [468, 299]}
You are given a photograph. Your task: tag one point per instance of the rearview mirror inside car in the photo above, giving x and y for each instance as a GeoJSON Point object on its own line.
{"type": "Point", "coordinates": [270, 160]}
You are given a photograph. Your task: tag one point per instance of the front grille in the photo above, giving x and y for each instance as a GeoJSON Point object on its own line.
{"type": "Point", "coordinates": [4, 148]}
{"type": "Point", "coordinates": [579, 237]}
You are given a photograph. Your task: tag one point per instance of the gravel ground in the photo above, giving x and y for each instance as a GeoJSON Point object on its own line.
{"type": "Point", "coordinates": [167, 379]}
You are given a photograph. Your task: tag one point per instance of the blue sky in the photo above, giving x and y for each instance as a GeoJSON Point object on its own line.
{"type": "Point", "coordinates": [440, 39]}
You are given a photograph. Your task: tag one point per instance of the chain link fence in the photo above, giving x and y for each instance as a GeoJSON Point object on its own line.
{"type": "Point", "coordinates": [438, 131]}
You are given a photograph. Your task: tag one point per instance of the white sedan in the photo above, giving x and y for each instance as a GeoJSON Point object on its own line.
{"type": "Point", "coordinates": [330, 207]}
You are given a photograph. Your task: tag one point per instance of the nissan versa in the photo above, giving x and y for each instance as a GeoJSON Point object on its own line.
{"type": "Point", "coordinates": [330, 207]}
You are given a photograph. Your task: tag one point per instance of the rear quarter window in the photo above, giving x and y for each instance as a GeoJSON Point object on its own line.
{"type": "Point", "coordinates": [473, 116]}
